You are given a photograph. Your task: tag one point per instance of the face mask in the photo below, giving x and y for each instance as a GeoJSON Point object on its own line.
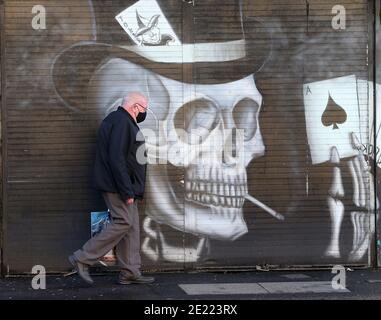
{"type": "Point", "coordinates": [141, 117]}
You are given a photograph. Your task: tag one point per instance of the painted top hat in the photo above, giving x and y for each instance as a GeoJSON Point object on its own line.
{"type": "Point", "coordinates": [199, 41]}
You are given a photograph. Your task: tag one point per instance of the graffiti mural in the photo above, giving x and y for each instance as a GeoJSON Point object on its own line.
{"type": "Point", "coordinates": [259, 130]}
{"type": "Point", "coordinates": [196, 190]}
{"type": "Point", "coordinates": [207, 201]}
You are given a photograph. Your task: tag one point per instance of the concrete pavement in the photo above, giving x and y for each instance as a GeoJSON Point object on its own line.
{"type": "Point", "coordinates": [247, 285]}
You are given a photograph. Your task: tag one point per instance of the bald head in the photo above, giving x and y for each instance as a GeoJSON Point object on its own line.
{"type": "Point", "coordinates": [134, 98]}
{"type": "Point", "coordinates": [134, 103]}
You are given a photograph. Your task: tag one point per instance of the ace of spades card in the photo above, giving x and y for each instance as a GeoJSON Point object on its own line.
{"type": "Point", "coordinates": [332, 114]}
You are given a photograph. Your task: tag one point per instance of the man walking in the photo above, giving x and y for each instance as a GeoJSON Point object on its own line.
{"type": "Point", "coordinates": [120, 175]}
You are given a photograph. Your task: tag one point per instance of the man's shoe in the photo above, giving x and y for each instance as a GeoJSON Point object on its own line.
{"type": "Point", "coordinates": [123, 279]}
{"type": "Point", "coordinates": [82, 269]}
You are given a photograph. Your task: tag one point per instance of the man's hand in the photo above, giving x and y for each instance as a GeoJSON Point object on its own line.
{"type": "Point", "coordinates": [130, 200]}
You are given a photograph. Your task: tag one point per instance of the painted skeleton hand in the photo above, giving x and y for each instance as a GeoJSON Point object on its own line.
{"type": "Point", "coordinates": [363, 199]}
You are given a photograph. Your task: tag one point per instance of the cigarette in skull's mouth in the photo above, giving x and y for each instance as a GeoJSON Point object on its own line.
{"type": "Point", "coordinates": [264, 207]}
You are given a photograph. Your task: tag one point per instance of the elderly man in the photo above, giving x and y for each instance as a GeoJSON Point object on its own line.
{"type": "Point", "coordinates": [120, 175]}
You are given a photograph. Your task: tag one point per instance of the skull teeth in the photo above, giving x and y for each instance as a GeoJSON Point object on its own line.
{"type": "Point", "coordinates": [225, 195]}
{"type": "Point", "coordinates": [215, 200]}
{"type": "Point", "coordinates": [216, 188]}
{"type": "Point", "coordinates": [213, 186]}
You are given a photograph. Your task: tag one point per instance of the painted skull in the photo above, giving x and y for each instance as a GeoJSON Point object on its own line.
{"type": "Point", "coordinates": [193, 184]}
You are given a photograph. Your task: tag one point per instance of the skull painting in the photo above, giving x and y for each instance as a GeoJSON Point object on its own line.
{"type": "Point", "coordinates": [200, 75]}
{"type": "Point", "coordinates": [202, 132]}
{"type": "Point", "coordinates": [195, 188]}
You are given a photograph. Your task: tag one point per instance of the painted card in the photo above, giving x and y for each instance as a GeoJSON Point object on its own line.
{"type": "Point", "coordinates": [332, 114]}
{"type": "Point", "coordinates": [146, 24]}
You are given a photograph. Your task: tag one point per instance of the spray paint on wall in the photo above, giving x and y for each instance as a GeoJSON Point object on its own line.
{"type": "Point", "coordinates": [207, 195]}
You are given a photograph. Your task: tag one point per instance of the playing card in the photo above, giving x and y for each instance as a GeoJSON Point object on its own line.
{"type": "Point", "coordinates": [146, 24]}
{"type": "Point", "coordinates": [332, 114]}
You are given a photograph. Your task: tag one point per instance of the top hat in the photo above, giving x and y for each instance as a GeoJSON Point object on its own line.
{"type": "Point", "coordinates": [203, 42]}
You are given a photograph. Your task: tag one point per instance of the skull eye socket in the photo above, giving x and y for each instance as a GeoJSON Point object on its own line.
{"type": "Point", "coordinates": [197, 118]}
{"type": "Point", "coordinates": [245, 115]}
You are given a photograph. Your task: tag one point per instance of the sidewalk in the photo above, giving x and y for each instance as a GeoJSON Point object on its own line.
{"type": "Point", "coordinates": [360, 284]}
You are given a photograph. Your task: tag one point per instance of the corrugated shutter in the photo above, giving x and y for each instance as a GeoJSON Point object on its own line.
{"type": "Point", "coordinates": [52, 112]}
{"type": "Point", "coordinates": [377, 49]}
{"type": "Point", "coordinates": [48, 147]}
{"type": "Point", "coordinates": [1, 127]}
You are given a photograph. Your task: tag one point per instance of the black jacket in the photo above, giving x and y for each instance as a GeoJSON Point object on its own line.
{"type": "Point", "coordinates": [117, 168]}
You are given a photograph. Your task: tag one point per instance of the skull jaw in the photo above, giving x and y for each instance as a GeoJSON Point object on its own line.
{"type": "Point", "coordinates": [203, 222]}
{"type": "Point", "coordinates": [169, 206]}
{"type": "Point", "coordinates": [215, 222]}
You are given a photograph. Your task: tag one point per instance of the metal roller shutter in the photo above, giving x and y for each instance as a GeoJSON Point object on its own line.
{"type": "Point", "coordinates": [250, 72]}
